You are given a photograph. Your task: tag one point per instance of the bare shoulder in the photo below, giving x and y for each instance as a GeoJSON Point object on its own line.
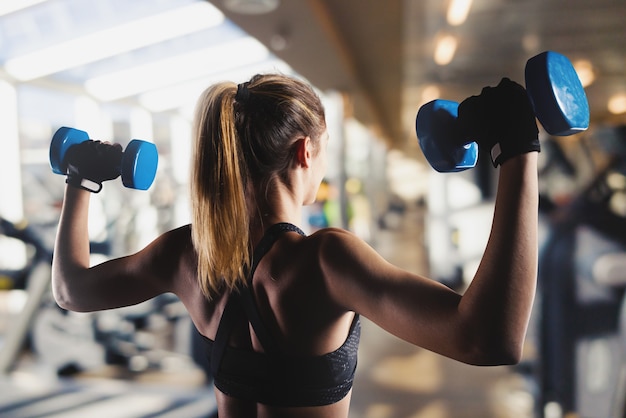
{"type": "Point", "coordinates": [351, 268]}
{"type": "Point", "coordinates": [330, 239]}
{"type": "Point", "coordinates": [180, 233]}
{"type": "Point", "coordinates": [340, 251]}
{"type": "Point", "coordinates": [332, 248]}
{"type": "Point", "coordinates": [168, 254]}
{"type": "Point", "coordinates": [176, 240]}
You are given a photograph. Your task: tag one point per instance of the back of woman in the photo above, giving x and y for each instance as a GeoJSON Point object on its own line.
{"type": "Point", "coordinates": [251, 178]}
{"type": "Point", "coordinates": [305, 324]}
{"type": "Point", "coordinates": [279, 310]}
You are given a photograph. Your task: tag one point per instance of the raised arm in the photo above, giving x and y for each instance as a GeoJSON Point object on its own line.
{"type": "Point", "coordinates": [122, 281]}
{"type": "Point", "coordinates": [501, 295]}
{"type": "Point", "coordinates": [114, 283]}
{"type": "Point", "coordinates": [71, 248]}
{"type": "Point", "coordinates": [487, 324]}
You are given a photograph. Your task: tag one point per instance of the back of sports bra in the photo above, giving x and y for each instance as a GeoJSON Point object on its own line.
{"type": "Point", "coordinates": [273, 377]}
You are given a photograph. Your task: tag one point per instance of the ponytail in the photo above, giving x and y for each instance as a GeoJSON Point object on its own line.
{"type": "Point", "coordinates": [245, 140]}
{"type": "Point", "coordinates": [220, 219]}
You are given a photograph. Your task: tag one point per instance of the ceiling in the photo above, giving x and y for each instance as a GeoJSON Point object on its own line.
{"type": "Point", "coordinates": [379, 53]}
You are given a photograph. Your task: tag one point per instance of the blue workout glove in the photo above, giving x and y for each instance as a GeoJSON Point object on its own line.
{"type": "Point", "coordinates": [89, 163]}
{"type": "Point", "coordinates": [501, 120]}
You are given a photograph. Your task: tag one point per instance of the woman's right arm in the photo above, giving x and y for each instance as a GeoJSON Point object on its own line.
{"type": "Point", "coordinates": [118, 282]}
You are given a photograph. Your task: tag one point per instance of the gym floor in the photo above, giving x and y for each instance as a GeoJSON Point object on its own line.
{"type": "Point", "coordinates": [394, 379]}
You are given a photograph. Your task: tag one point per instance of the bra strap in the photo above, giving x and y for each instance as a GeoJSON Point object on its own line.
{"type": "Point", "coordinates": [243, 297]}
{"type": "Point", "coordinates": [247, 299]}
{"type": "Point", "coordinates": [229, 318]}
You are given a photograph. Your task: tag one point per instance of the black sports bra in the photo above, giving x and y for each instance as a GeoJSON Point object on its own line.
{"type": "Point", "coordinates": [273, 377]}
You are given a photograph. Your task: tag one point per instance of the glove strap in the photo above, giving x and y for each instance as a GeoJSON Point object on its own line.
{"type": "Point", "coordinates": [84, 184]}
{"type": "Point", "coordinates": [496, 151]}
{"type": "Point", "coordinates": [499, 155]}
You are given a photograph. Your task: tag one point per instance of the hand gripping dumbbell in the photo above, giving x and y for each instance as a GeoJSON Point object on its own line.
{"type": "Point", "coordinates": [137, 165]}
{"type": "Point", "coordinates": [557, 97]}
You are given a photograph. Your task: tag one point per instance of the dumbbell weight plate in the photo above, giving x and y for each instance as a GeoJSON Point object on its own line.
{"type": "Point", "coordinates": [62, 140]}
{"type": "Point", "coordinates": [557, 94]}
{"type": "Point", "coordinates": [435, 132]}
{"type": "Point", "coordinates": [139, 164]}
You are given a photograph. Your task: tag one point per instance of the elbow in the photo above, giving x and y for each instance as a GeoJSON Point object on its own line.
{"type": "Point", "coordinates": [512, 354]}
{"type": "Point", "coordinates": [504, 357]}
{"type": "Point", "coordinates": [495, 352]}
{"type": "Point", "coordinates": [64, 297]}
{"type": "Point", "coordinates": [64, 301]}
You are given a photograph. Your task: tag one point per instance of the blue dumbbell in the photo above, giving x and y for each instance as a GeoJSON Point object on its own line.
{"type": "Point", "coordinates": [138, 163]}
{"type": "Point", "coordinates": [555, 92]}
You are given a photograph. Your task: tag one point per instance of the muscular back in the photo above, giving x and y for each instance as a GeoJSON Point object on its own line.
{"type": "Point", "coordinates": [293, 302]}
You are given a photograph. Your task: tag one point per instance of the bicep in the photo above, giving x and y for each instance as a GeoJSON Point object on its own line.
{"type": "Point", "coordinates": [414, 308]}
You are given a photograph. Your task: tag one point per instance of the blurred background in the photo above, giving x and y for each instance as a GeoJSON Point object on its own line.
{"type": "Point", "coordinates": [121, 70]}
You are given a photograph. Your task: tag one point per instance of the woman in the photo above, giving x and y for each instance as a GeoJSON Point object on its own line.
{"type": "Point", "coordinates": [280, 310]}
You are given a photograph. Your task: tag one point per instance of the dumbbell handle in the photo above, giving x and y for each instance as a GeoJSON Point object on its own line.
{"type": "Point", "coordinates": [91, 163]}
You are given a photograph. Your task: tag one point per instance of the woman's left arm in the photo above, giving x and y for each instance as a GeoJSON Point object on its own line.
{"type": "Point", "coordinates": [484, 326]}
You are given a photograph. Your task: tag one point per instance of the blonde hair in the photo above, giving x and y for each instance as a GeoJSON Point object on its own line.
{"type": "Point", "coordinates": [243, 142]}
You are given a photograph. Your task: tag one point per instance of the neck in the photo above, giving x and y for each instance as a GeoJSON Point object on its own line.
{"type": "Point", "coordinates": [278, 206]}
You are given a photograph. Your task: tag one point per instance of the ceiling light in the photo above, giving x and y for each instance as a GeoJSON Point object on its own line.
{"type": "Point", "coordinates": [445, 49]}
{"type": "Point", "coordinates": [531, 42]}
{"type": "Point", "coordinates": [429, 93]}
{"type": "Point", "coordinates": [458, 11]}
{"type": "Point", "coordinates": [10, 6]}
{"type": "Point", "coordinates": [251, 7]}
{"type": "Point", "coordinates": [176, 69]}
{"type": "Point", "coordinates": [280, 40]}
{"type": "Point", "coordinates": [116, 40]}
{"type": "Point", "coordinates": [617, 104]}
{"type": "Point", "coordinates": [585, 72]}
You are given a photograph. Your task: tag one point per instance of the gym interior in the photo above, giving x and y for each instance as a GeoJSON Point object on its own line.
{"type": "Point", "coordinates": [123, 70]}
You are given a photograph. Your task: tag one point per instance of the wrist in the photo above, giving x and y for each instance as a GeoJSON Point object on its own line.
{"type": "Point", "coordinates": [502, 151]}
{"type": "Point", "coordinates": [520, 160]}
{"type": "Point", "coordinates": [75, 196]}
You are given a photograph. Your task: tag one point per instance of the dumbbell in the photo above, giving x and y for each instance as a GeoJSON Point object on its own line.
{"type": "Point", "coordinates": [138, 163]}
{"type": "Point", "coordinates": [555, 92]}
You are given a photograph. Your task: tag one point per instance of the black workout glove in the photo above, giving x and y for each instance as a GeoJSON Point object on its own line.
{"type": "Point", "coordinates": [501, 120]}
{"type": "Point", "coordinates": [89, 163]}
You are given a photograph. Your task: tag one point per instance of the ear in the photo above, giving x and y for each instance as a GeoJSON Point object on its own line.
{"type": "Point", "coordinates": [304, 151]}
